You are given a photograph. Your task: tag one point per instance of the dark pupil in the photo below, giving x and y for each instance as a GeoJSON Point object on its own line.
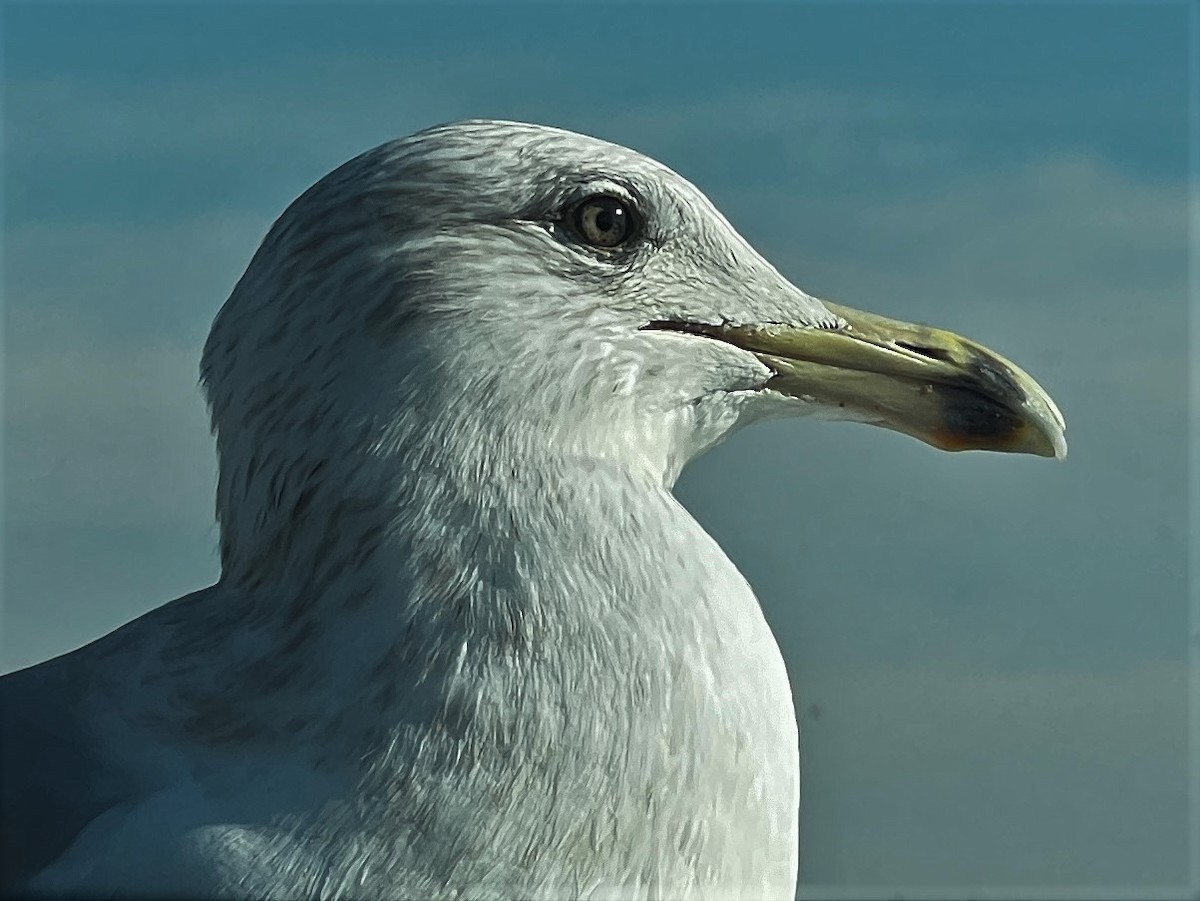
{"type": "Point", "coordinates": [604, 218]}
{"type": "Point", "coordinates": [602, 222]}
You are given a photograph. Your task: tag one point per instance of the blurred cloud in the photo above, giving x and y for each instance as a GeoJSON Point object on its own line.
{"type": "Point", "coordinates": [1082, 758]}
{"type": "Point", "coordinates": [124, 281]}
{"type": "Point", "coordinates": [117, 436]}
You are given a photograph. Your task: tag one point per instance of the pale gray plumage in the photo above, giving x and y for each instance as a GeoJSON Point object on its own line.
{"type": "Point", "coordinates": [466, 644]}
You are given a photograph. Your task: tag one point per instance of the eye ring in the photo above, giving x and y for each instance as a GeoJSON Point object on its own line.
{"type": "Point", "coordinates": [605, 221]}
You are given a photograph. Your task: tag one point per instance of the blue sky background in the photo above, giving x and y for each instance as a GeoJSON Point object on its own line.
{"type": "Point", "coordinates": [989, 653]}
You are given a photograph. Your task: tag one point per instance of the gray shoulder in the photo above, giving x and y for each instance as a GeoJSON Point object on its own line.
{"type": "Point", "coordinates": [56, 774]}
{"type": "Point", "coordinates": [53, 779]}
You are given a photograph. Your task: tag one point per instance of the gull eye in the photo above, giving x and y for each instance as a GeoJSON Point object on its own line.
{"type": "Point", "coordinates": [605, 221]}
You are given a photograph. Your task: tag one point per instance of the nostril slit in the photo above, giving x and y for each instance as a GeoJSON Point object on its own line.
{"type": "Point", "coordinates": [932, 353]}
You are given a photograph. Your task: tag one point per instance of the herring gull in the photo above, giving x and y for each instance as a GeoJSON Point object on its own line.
{"type": "Point", "coordinates": [466, 643]}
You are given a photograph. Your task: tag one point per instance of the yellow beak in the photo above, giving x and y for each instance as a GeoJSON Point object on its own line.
{"type": "Point", "coordinates": [931, 384]}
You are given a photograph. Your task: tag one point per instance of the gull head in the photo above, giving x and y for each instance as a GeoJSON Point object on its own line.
{"type": "Point", "coordinates": [522, 293]}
